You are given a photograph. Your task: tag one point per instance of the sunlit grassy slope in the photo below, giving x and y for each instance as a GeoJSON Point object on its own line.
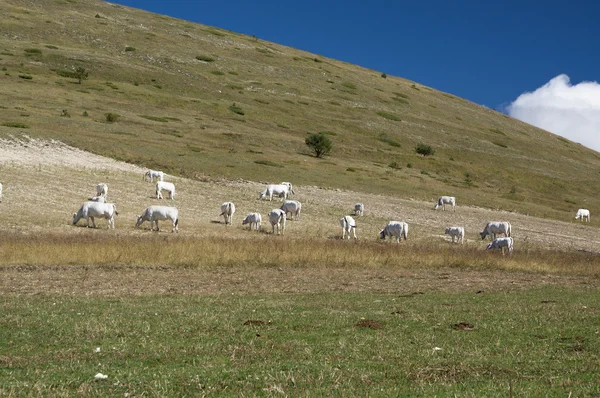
{"type": "Point", "coordinates": [202, 102]}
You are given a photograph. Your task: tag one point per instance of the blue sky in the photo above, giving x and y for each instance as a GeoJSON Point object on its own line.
{"type": "Point", "coordinates": [489, 52]}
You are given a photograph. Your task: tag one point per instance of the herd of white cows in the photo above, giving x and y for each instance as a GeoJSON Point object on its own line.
{"type": "Point", "coordinates": [98, 207]}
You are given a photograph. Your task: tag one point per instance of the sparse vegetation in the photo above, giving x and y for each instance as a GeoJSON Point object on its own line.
{"type": "Point", "coordinates": [319, 144]}
{"type": "Point", "coordinates": [29, 51]}
{"type": "Point", "coordinates": [26, 77]}
{"type": "Point", "coordinates": [389, 116]}
{"type": "Point", "coordinates": [268, 163]}
{"type": "Point", "coordinates": [52, 47]}
{"type": "Point", "coordinates": [155, 118]}
{"type": "Point", "coordinates": [349, 85]}
{"type": "Point", "coordinates": [236, 109]}
{"type": "Point", "coordinates": [217, 73]}
{"type": "Point", "coordinates": [16, 125]}
{"type": "Point", "coordinates": [385, 138]}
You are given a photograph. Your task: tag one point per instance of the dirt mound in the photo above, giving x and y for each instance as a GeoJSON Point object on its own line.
{"type": "Point", "coordinates": [32, 152]}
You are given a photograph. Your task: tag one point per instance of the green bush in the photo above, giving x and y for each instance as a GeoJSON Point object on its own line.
{"type": "Point", "coordinates": [349, 85]}
{"type": "Point", "coordinates": [52, 47]}
{"type": "Point", "coordinates": [33, 51]}
{"type": "Point", "coordinates": [26, 77]}
{"type": "Point", "coordinates": [424, 149]}
{"type": "Point", "coordinates": [129, 48]}
{"type": "Point", "coordinates": [111, 117]}
{"type": "Point", "coordinates": [205, 58]}
{"type": "Point", "coordinates": [384, 75]}
{"type": "Point", "coordinates": [320, 144]}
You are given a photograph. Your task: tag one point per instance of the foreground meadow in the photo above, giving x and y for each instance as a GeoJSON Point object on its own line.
{"type": "Point", "coordinates": [219, 310]}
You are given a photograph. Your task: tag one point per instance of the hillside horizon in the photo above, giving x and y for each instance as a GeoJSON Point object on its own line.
{"type": "Point", "coordinates": [205, 103]}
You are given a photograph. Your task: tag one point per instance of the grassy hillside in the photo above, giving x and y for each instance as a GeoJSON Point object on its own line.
{"type": "Point", "coordinates": [205, 103]}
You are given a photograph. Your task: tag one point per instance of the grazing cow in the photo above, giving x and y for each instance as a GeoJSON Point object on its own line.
{"type": "Point", "coordinates": [290, 188]}
{"type": "Point", "coordinates": [446, 200]}
{"type": "Point", "coordinates": [152, 174]}
{"type": "Point", "coordinates": [227, 210]}
{"type": "Point", "coordinates": [254, 219]}
{"type": "Point", "coordinates": [90, 210]}
{"type": "Point", "coordinates": [293, 207]}
{"type": "Point", "coordinates": [277, 217]}
{"type": "Point", "coordinates": [167, 186]}
{"type": "Point", "coordinates": [0, 193]}
{"type": "Point", "coordinates": [102, 190]}
{"type": "Point", "coordinates": [501, 243]}
{"type": "Point", "coordinates": [496, 227]}
{"type": "Point", "coordinates": [583, 213]}
{"type": "Point", "coordinates": [97, 199]}
{"type": "Point", "coordinates": [155, 213]}
{"type": "Point", "coordinates": [399, 229]}
{"type": "Point", "coordinates": [280, 190]}
{"type": "Point", "coordinates": [456, 232]}
{"type": "Point", "coordinates": [348, 225]}
{"type": "Point", "coordinates": [359, 209]}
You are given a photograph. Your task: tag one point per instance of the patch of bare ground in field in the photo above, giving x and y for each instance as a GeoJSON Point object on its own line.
{"type": "Point", "coordinates": [126, 281]}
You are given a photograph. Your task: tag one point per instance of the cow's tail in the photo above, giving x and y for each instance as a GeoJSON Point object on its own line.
{"type": "Point", "coordinates": [405, 231]}
{"type": "Point", "coordinates": [508, 230]}
{"type": "Point", "coordinates": [177, 222]}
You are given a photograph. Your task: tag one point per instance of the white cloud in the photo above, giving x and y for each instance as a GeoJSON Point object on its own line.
{"type": "Point", "coordinates": [570, 111]}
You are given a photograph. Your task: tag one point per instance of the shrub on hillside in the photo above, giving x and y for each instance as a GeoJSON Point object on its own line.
{"type": "Point", "coordinates": [424, 149]}
{"type": "Point", "coordinates": [320, 144]}
{"type": "Point", "coordinates": [111, 117]}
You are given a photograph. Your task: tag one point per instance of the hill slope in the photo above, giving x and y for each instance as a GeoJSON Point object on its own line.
{"type": "Point", "coordinates": [201, 102]}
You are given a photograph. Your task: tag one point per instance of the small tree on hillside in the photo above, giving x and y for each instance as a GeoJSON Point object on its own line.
{"type": "Point", "coordinates": [320, 144]}
{"type": "Point", "coordinates": [80, 74]}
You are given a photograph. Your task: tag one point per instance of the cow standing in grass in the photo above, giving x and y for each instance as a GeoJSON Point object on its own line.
{"type": "Point", "coordinates": [501, 243]}
{"type": "Point", "coordinates": [227, 211]}
{"type": "Point", "coordinates": [91, 210]}
{"type": "Point", "coordinates": [155, 213]}
{"type": "Point", "coordinates": [456, 232]}
{"type": "Point", "coordinates": [348, 225]}
{"type": "Point", "coordinates": [254, 219]}
{"type": "Point", "coordinates": [583, 214]}
{"type": "Point", "coordinates": [494, 228]}
{"type": "Point", "coordinates": [277, 218]}
{"type": "Point", "coordinates": [446, 200]}
{"type": "Point", "coordinates": [397, 229]}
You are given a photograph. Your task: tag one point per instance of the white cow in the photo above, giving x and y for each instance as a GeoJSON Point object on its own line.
{"type": "Point", "coordinates": [227, 210]}
{"type": "Point", "coordinates": [456, 232]}
{"type": "Point", "coordinates": [152, 174]}
{"type": "Point", "coordinates": [398, 229]}
{"type": "Point", "coordinates": [90, 210]}
{"type": "Point", "coordinates": [290, 188]}
{"type": "Point", "coordinates": [102, 190]}
{"type": "Point", "coordinates": [280, 190]}
{"type": "Point", "coordinates": [97, 199]}
{"type": "Point", "coordinates": [293, 207]}
{"type": "Point", "coordinates": [501, 243]}
{"type": "Point", "coordinates": [277, 217]}
{"type": "Point", "coordinates": [496, 227]}
{"type": "Point", "coordinates": [166, 186]}
{"type": "Point", "coordinates": [359, 209]}
{"type": "Point", "coordinates": [583, 213]}
{"type": "Point", "coordinates": [254, 219]}
{"type": "Point", "coordinates": [446, 200]}
{"type": "Point", "coordinates": [348, 225]}
{"type": "Point", "coordinates": [0, 193]}
{"type": "Point", "coordinates": [155, 213]}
